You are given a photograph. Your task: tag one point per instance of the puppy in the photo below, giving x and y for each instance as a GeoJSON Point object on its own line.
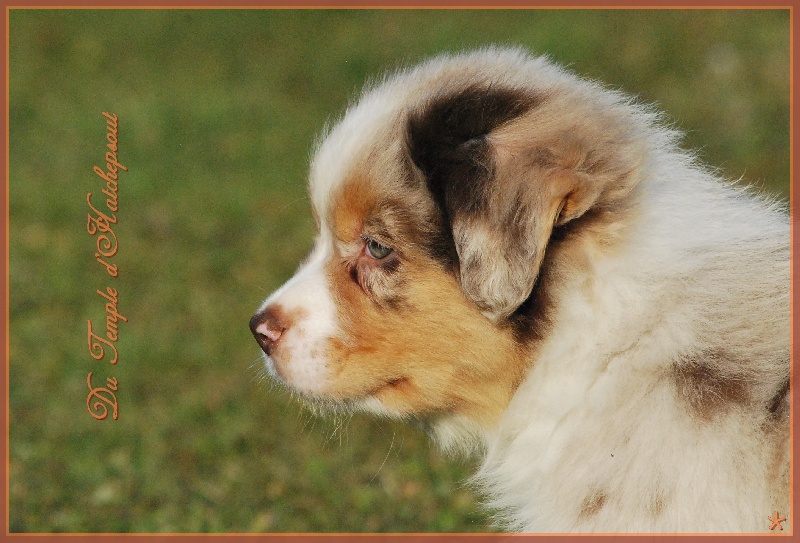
{"type": "Point", "coordinates": [527, 264]}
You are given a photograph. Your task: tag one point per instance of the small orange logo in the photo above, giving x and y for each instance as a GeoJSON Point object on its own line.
{"type": "Point", "coordinates": [776, 522]}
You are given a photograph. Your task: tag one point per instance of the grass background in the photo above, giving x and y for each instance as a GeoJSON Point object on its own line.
{"type": "Point", "coordinates": [217, 112]}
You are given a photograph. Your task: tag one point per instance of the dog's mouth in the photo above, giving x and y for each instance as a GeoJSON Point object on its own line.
{"type": "Point", "coordinates": [391, 389]}
{"type": "Point", "coordinates": [387, 386]}
{"type": "Point", "coordinates": [393, 384]}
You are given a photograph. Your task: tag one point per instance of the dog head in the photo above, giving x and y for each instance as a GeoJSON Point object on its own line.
{"type": "Point", "coordinates": [443, 200]}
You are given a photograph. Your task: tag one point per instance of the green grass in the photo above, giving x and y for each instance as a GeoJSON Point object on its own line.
{"type": "Point", "coordinates": [218, 111]}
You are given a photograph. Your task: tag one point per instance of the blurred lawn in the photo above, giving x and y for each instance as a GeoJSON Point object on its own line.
{"type": "Point", "coordinates": [218, 110]}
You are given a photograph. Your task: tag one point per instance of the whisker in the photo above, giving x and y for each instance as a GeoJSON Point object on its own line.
{"type": "Point", "coordinates": [394, 434]}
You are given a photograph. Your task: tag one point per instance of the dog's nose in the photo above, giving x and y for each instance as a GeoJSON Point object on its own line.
{"type": "Point", "coordinates": [268, 326]}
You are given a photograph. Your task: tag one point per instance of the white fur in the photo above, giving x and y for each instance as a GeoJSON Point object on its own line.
{"type": "Point", "coordinates": [307, 291]}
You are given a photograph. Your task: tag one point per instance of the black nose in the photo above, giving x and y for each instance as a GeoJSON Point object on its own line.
{"type": "Point", "coordinates": [268, 326]}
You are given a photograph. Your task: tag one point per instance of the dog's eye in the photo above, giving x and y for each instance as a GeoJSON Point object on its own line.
{"type": "Point", "coordinates": [376, 250]}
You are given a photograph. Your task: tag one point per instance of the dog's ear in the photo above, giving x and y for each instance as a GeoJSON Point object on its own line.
{"type": "Point", "coordinates": [503, 185]}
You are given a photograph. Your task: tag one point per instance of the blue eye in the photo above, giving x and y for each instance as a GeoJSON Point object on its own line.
{"type": "Point", "coordinates": [377, 251]}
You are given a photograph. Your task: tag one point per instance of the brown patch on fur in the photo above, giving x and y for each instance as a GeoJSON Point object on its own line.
{"type": "Point", "coordinates": [657, 504]}
{"type": "Point", "coordinates": [592, 504]}
{"type": "Point", "coordinates": [447, 140]}
{"type": "Point", "coordinates": [392, 211]}
{"type": "Point", "coordinates": [779, 405]}
{"type": "Point", "coordinates": [503, 176]}
{"type": "Point", "coordinates": [355, 202]}
{"type": "Point", "coordinates": [410, 337]}
{"type": "Point", "coordinates": [364, 209]}
{"type": "Point", "coordinates": [436, 354]}
{"type": "Point", "coordinates": [530, 321]}
{"type": "Point", "coordinates": [657, 507]}
{"type": "Point", "coordinates": [707, 391]}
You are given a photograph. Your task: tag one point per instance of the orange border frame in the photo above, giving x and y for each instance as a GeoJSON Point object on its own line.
{"type": "Point", "coordinates": [386, 4]}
